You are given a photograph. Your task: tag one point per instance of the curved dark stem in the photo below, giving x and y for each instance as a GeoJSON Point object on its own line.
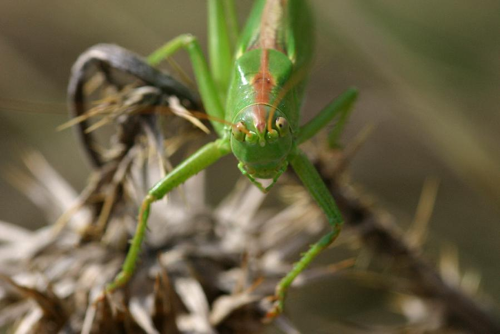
{"type": "Point", "coordinates": [385, 239]}
{"type": "Point", "coordinates": [103, 57]}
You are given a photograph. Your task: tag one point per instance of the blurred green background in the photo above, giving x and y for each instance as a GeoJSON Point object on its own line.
{"type": "Point", "coordinates": [428, 73]}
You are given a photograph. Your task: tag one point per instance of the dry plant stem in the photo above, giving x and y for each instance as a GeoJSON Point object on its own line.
{"type": "Point", "coordinates": [385, 239]}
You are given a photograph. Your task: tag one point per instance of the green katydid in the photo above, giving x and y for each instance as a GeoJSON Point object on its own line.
{"type": "Point", "coordinates": [256, 89]}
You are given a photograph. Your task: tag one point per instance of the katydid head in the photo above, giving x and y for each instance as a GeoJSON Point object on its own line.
{"type": "Point", "coordinates": [261, 140]}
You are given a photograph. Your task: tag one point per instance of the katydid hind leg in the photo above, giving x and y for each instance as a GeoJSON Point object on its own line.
{"type": "Point", "coordinates": [312, 181]}
{"type": "Point", "coordinates": [341, 107]}
{"type": "Point", "coordinates": [220, 49]}
{"type": "Point", "coordinates": [232, 23]}
{"type": "Point", "coordinates": [204, 157]}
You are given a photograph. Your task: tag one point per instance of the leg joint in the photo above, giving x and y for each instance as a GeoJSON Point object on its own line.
{"type": "Point", "coordinates": [189, 38]}
{"type": "Point", "coordinates": [150, 198]}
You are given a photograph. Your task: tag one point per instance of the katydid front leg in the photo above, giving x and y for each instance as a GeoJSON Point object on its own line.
{"type": "Point", "coordinates": [210, 153]}
{"type": "Point", "coordinates": [314, 184]}
{"type": "Point", "coordinates": [200, 160]}
{"type": "Point", "coordinates": [309, 176]}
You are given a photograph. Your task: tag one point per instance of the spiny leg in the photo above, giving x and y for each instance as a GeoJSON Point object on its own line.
{"type": "Point", "coordinates": [318, 190]}
{"type": "Point", "coordinates": [341, 106]}
{"type": "Point", "coordinates": [200, 160]}
{"type": "Point", "coordinates": [208, 90]}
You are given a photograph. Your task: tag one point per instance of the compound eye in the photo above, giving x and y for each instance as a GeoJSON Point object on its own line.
{"type": "Point", "coordinates": [239, 131]}
{"type": "Point", "coordinates": [282, 126]}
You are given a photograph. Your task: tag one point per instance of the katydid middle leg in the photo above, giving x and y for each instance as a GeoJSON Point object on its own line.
{"type": "Point", "coordinates": [212, 82]}
{"type": "Point", "coordinates": [203, 158]}
{"type": "Point", "coordinates": [208, 90]}
{"type": "Point", "coordinates": [340, 106]}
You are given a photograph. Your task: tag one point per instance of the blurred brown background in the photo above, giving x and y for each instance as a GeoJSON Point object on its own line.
{"type": "Point", "coordinates": [429, 77]}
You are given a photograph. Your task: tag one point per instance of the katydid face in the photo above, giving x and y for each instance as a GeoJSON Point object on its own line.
{"type": "Point", "coordinates": [262, 113]}
{"type": "Point", "coordinates": [261, 144]}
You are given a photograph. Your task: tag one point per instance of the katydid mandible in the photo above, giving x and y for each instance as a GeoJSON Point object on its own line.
{"type": "Point", "coordinates": [257, 89]}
